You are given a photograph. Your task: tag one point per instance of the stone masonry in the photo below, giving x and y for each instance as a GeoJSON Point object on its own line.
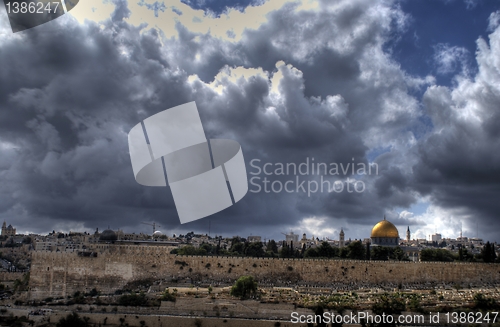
{"type": "Point", "coordinates": [57, 274]}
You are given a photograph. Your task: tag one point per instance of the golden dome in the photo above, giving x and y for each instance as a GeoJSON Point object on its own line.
{"type": "Point", "coordinates": [384, 228]}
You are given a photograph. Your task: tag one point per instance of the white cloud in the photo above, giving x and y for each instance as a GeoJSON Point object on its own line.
{"type": "Point", "coordinates": [406, 214]}
{"type": "Point", "coordinates": [459, 160]}
{"type": "Point", "coordinates": [451, 59]}
{"type": "Point", "coordinates": [471, 4]}
{"type": "Point", "coordinates": [447, 222]}
{"type": "Point", "coordinates": [493, 21]}
{"type": "Point", "coordinates": [319, 227]}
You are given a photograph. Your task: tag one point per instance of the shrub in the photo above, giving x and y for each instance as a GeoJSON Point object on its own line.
{"type": "Point", "coordinates": [483, 303]}
{"type": "Point", "coordinates": [73, 320]}
{"type": "Point", "coordinates": [93, 292]}
{"type": "Point", "coordinates": [167, 296]}
{"type": "Point", "coordinates": [133, 300]}
{"type": "Point", "coordinates": [244, 287]}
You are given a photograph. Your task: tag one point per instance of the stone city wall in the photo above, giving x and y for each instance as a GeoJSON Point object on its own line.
{"type": "Point", "coordinates": [10, 276]}
{"type": "Point", "coordinates": [62, 274]}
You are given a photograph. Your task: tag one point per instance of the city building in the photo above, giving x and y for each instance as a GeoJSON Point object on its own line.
{"type": "Point", "coordinates": [292, 239]}
{"type": "Point", "coordinates": [8, 230]}
{"type": "Point", "coordinates": [436, 237]}
{"type": "Point", "coordinates": [341, 238]}
{"type": "Point", "coordinates": [254, 239]}
{"type": "Point", "coordinates": [384, 233]}
{"type": "Point", "coordinates": [108, 236]}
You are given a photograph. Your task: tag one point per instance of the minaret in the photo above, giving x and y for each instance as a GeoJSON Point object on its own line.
{"type": "Point", "coordinates": [341, 238]}
{"type": "Point", "coordinates": [408, 234]}
{"type": "Point", "coordinates": [4, 228]}
{"type": "Point", "coordinates": [304, 239]}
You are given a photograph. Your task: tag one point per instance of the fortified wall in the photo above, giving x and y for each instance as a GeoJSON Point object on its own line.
{"type": "Point", "coordinates": [10, 276]}
{"type": "Point", "coordinates": [110, 267]}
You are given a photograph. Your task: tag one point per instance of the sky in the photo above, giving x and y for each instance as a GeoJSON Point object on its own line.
{"type": "Point", "coordinates": [409, 87]}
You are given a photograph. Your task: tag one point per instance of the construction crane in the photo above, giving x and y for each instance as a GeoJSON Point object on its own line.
{"type": "Point", "coordinates": [153, 224]}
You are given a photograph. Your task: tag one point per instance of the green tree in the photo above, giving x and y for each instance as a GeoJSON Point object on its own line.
{"type": "Point", "coordinates": [327, 251]}
{"type": "Point", "coordinates": [10, 243]}
{"type": "Point", "coordinates": [389, 304]}
{"type": "Point", "coordinates": [93, 292]}
{"type": "Point", "coordinates": [272, 246]}
{"type": "Point", "coordinates": [255, 249]}
{"type": "Point", "coordinates": [311, 253]}
{"type": "Point", "coordinates": [237, 247]}
{"type": "Point", "coordinates": [483, 303]}
{"type": "Point", "coordinates": [244, 287]}
{"type": "Point", "coordinates": [187, 250]}
{"type": "Point", "coordinates": [356, 250]}
{"type": "Point", "coordinates": [464, 254]}
{"type": "Point", "coordinates": [27, 240]}
{"type": "Point", "coordinates": [22, 284]}
{"type": "Point", "coordinates": [209, 249]}
{"type": "Point", "coordinates": [388, 253]}
{"type": "Point", "coordinates": [399, 254]}
{"type": "Point", "coordinates": [167, 296]}
{"type": "Point", "coordinates": [436, 255]}
{"type": "Point", "coordinates": [133, 299]}
{"type": "Point", "coordinates": [73, 320]}
{"type": "Point", "coordinates": [286, 251]}
{"type": "Point", "coordinates": [319, 311]}
{"type": "Point", "coordinates": [414, 304]}
{"type": "Point", "coordinates": [488, 252]}
{"type": "Point", "coordinates": [380, 252]}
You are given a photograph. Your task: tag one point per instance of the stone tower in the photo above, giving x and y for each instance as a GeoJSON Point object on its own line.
{"type": "Point", "coordinates": [341, 238]}
{"type": "Point", "coordinates": [8, 230]}
{"type": "Point", "coordinates": [408, 234]}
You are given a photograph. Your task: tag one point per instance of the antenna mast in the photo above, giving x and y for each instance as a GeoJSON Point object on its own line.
{"type": "Point", "coordinates": [153, 224]}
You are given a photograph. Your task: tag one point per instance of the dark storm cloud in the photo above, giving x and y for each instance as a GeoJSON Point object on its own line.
{"type": "Point", "coordinates": [460, 160]}
{"type": "Point", "coordinates": [69, 96]}
{"type": "Point", "coordinates": [75, 102]}
{"type": "Point", "coordinates": [331, 130]}
{"type": "Point", "coordinates": [218, 7]}
{"type": "Point", "coordinates": [69, 99]}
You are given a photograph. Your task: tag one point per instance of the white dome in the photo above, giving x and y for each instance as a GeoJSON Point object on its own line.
{"type": "Point", "coordinates": [157, 233]}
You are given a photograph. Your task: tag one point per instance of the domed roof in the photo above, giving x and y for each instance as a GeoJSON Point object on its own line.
{"type": "Point", "coordinates": [108, 235]}
{"type": "Point", "coordinates": [157, 233]}
{"type": "Point", "coordinates": [384, 228]}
